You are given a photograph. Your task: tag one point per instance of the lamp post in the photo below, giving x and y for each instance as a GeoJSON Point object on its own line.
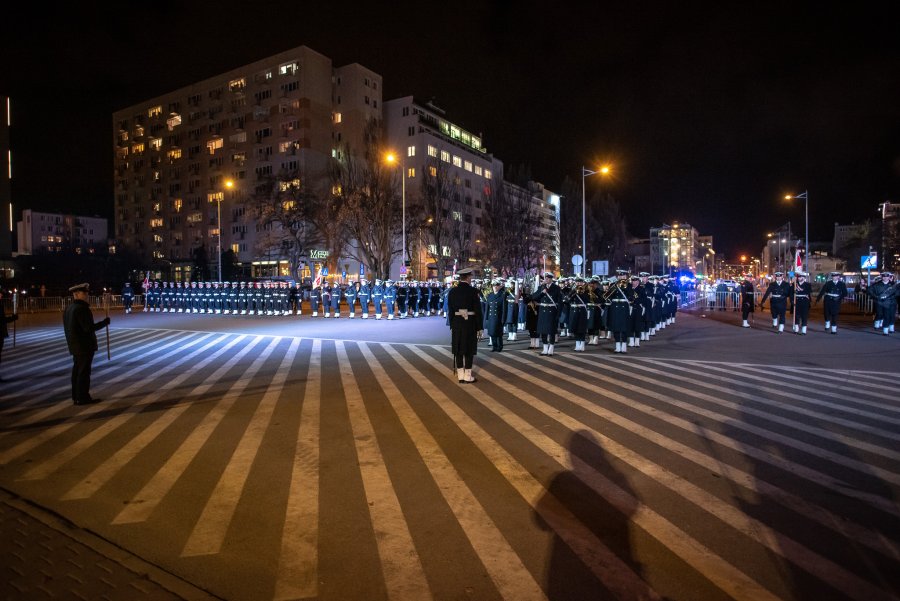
{"type": "Point", "coordinates": [584, 173]}
{"type": "Point", "coordinates": [229, 184]}
{"type": "Point", "coordinates": [391, 158]}
{"type": "Point", "coordinates": [805, 197]}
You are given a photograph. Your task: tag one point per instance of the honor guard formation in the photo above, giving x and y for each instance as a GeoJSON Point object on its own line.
{"type": "Point", "coordinates": [381, 299]}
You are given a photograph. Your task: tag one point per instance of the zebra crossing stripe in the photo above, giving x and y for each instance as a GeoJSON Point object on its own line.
{"type": "Point", "coordinates": [210, 530]}
{"type": "Point", "coordinates": [44, 469]}
{"type": "Point", "coordinates": [874, 540]}
{"type": "Point", "coordinates": [709, 564]}
{"type": "Point", "coordinates": [297, 575]}
{"type": "Point", "coordinates": [401, 566]}
{"type": "Point", "coordinates": [842, 378]}
{"type": "Point", "coordinates": [503, 564]}
{"type": "Point", "coordinates": [142, 505]}
{"type": "Point", "coordinates": [794, 377]}
{"type": "Point", "coordinates": [792, 467]}
{"type": "Point", "coordinates": [795, 424]}
{"type": "Point", "coordinates": [609, 568]}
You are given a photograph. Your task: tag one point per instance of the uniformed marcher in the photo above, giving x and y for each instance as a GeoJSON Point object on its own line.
{"type": "Point", "coordinates": [495, 314]}
{"type": "Point", "coordinates": [578, 314]}
{"type": "Point", "coordinates": [748, 301]}
{"type": "Point", "coordinates": [127, 297]}
{"type": "Point", "coordinates": [390, 297]}
{"type": "Point", "coordinates": [315, 299]}
{"type": "Point", "coordinates": [779, 290]}
{"type": "Point", "coordinates": [351, 295]}
{"type": "Point", "coordinates": [401, 297]}
{"type": "Point", "coordinates": [364, 296]}
{"type": "Point", "coordinates": [336, 294]}
{"type": "Point", "coordinates": [801, 298]}
{"type": "Point", "coordinates": [834, 291]}
{"type": "Point", "coordinates": [548, 297]}
{"type": "Point", "coordinates": [884, 295]}
{"type": "Point", "coordinates": [511, 319]}
{"type": "Point", "coordinates": [81, 338]}
{"type": "Point", "coordinates": [618, 319]}
{"type": "Point", "coordinates": [4, 330]}
{"type": "Point", "coordinates": [464, 306]}
{"type": "Point", "coordinates": [636, 296]}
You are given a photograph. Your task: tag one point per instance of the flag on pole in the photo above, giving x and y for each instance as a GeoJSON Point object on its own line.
{"type": "Point", "coordinates": [318, 281]}
{"type": "Point", "coordinates": [146, 284]}
{"type": "Point", "coordinates": [798, 262]}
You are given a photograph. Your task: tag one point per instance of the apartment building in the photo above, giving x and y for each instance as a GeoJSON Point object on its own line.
{"type": "Point", "coordinates": [430, 144]}
{"type": "Point", "coordinates": [6, 207]}
{"type": "Point", "coordinates": [189, 163]}
{"type": "Point", "coordinates": [41, 233]}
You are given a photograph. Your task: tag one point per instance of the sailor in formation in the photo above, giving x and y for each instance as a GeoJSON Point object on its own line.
{"type": "Point", "coordinates": [779, 290]}
{"type": "Point", "coordinates": [834, 291]}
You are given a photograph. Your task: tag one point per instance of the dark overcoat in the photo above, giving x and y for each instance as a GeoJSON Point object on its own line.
{"type": "Point", "coordinates": [464, 330]}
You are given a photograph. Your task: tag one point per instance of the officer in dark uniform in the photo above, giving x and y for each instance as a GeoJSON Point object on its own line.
{"type": "Point", "coordinates": [364, 294]}
{"type": "Point", "coordinates": [315, 299]}
{"type": "Point", "coordinates": [548, 297]}
{"type": "Point", "coordinates": [779, 290]}
{"type": "Point", "coordinates": [336, 299]}
{"type": "Point", "coordinates": [494, 315]}
{"type": "Point", "coordinates": [351, 295]}
{"type": "Point", "coordinates": [619, 314]}
{"type": "Point", "coordinates": [81, 338]}
{"type": "Point", "coordinates": [748, 302]}
{"type": "Point", "coordinates": [378, 298]}
{"type": "Point", "coordinates": [578, 313]}
{"type": "Point", "coordinates": [390, 297]}
{"type": "Point", "coordinates": [127, 297]}
{"type": "Point", "coordinates": [834, 291]}
{"type": "Point", "coordinates": [801, 299]}
{"type": "Point", "coordinates": [511, 319]}
{"type": "Point", "coordinates": [401, 297]}
{"type": "Point", "coordinates": [464, 307]}
{"type": "Point", "coordinates": [4, 330]}
{"type": "Point", "coordinates": [884, 295]}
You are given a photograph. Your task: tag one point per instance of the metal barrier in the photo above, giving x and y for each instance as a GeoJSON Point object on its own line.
{"type": "Point", "coordinates": [41, 304]}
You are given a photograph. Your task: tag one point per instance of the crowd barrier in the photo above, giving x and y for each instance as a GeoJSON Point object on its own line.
{"type": "Point", "coordinates": [42, 304]}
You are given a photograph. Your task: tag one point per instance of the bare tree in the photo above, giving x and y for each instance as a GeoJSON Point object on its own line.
{"type": "Point", "coordinates": [510, 229]}
{"type": "Point", "coordinates": [282, 207]}
{"type": "Point", "coordinates": [371, 206]}
{"type": "Point", "coordinates": [431, 216]}
{"type": "Point", "coordinates": [570, 223]}
{"type": "Point", "coordinates": [611, 233]}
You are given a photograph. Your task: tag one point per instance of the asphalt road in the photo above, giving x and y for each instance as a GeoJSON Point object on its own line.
{"type": "Point", "coordinates": [291, 458]}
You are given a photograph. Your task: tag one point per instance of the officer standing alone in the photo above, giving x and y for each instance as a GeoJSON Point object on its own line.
{"type": "Point", "coordinates": [81, 337]}
{"type": "Point", "coordinates": [464, 307]}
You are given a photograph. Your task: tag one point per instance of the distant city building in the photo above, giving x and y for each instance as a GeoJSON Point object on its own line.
{"type": "Point", "coordinates": [676, 247]}
{"type": "Point", "coordinates": [43, 233]}
{"type": "Point", "coordinates": [6, 207]}
{"type": "Point", "coordinates": [847, 234]}
{"type": "Point", "coordinates": [639, 253]}
{"type": "Point", "coordinates": [284, 116]}
{"type": "Point", "coordinates": [431, 146]}
{"type": "Point", "coordinates": [890, 236]}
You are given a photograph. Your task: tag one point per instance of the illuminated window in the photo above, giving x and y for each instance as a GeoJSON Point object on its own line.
{"type": "Point", "coordinates": [236, 85]}
{"type": "Point", "coordinates": [285, 146]}
{"type": "Point", "coordinates": [173, 121]}
{"type": "Point", "coordinates": [411, 151]}
{"type": "Point", "coordinates": [336, 190]}
{"type": "Point", "coordinates": [454, 132]}
{"type": "Point", "coordinates": [445, 156]}
{"type": "Point", "coordinates": [195, 217]}
{"type": "Point", "coordinates": [432, 151]}
{"type": "Point", "coordinates": [157, 238]}
{"type": "Point", "coordinates": [155, 111]}
{"type": "Point", "coordinates": [175, 153]}
{"type": "Point", "coordinates": [467, 165]}
{"type": "Point", "coordinates": [137, 148]}
{"type": "Point", "coordinates": [156, 143]}
{"type": "Point", "coordinates": [214, 145]}
{"type": "Point", "coordinates": [337, 117]}
{"type": "Point", "coordinates": [285, 186]}
{"type": "Point", "coordinates": [487, 174]}
{"type": "Point", "coordinates": [122, 152]}
{"type": "Point", "coordinates": [235, 248]}
{"type": "Point", "coordinates": [214, 197]}
{"type": "Point", "coordinates": [176, 205]}
{"type": "Point", "coordinates": [457, 162]}
{"type": "Point", "coordinates": [411, 172]}
{"type": "Point", "coordinates": [478, 170]}
{"type": "Point", "coordinates": [432, 171]}
{"type": "Point", "coordinates": [457, 216]}
{"type": "Point", "coordinates": [289, 205]}
{"type": "Point", "coordinates": [288, 69]}
{"type": "Point", "coordinates": [238, 137]}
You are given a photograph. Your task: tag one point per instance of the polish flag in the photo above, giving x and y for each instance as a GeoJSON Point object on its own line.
{"type": "Point", "coordinates": [318, 281]}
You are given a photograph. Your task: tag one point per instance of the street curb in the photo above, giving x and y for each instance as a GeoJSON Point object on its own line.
{"type": "Point", "coordinates": [109, 550]}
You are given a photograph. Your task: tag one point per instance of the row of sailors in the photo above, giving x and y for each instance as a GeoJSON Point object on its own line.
{"type": "Point", "coordinates": [626, 309]}
{"type": "Point", "coordinates": [411, 298]}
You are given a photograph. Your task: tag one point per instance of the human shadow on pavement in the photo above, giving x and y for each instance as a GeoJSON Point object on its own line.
{"type": "Point", "coordinates": [569, 495]}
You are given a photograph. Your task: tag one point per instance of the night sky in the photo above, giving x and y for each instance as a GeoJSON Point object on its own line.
{"type": "Point", "coordinates": [709, 112]}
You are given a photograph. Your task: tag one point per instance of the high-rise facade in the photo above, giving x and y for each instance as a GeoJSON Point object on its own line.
{"type": "Point", "coordinates": [44, 233]}
{"type": "Point", "coordinates": [6, 209]}
{"type": "Point", "coordinates": [188, 164]}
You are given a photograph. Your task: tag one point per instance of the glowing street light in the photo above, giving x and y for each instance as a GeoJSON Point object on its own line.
{"type": "Point", "coordinates": [229, 184]}
{"type": "Point", "coordinates": [392, 158]}
{"type": "Point", "coordinates": [604, 170]}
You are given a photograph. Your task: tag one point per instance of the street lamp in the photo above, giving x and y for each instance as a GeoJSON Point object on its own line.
{"type": "Point", "coordinates": [229, 184]}
{"type": "Point", "coordinates": [392, 158]}
{"type": "Point", "coordinates": [805, 197]}
{"type": "Point", "coordinates": [584, 173]}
